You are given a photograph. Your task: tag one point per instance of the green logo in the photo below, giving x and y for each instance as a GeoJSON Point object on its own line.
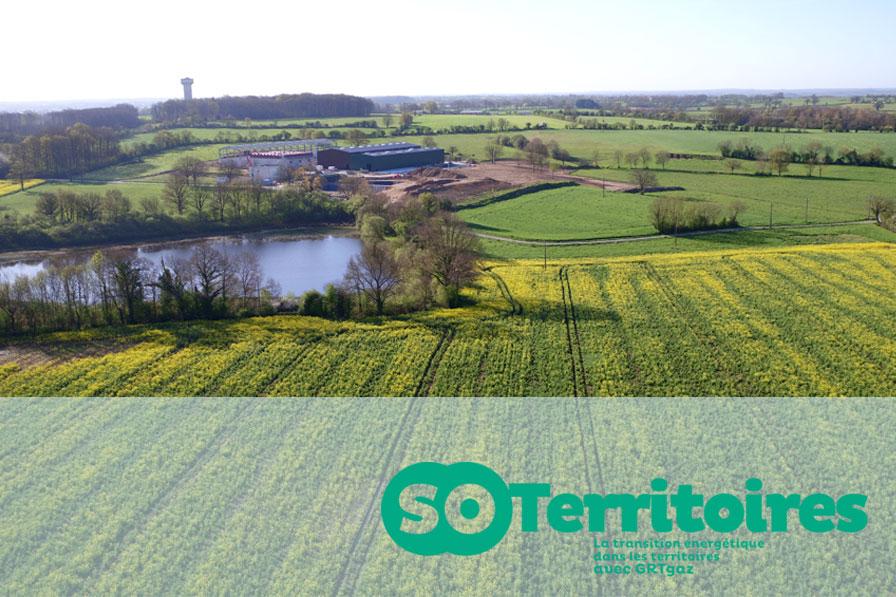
{"type": "Point", "coordinates": [427, 509]}
{"type": "Point", "coordinates": [424, 527]}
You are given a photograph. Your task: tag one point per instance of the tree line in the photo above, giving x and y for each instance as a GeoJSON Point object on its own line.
{"type": "Point", "coordinates": [16, 125]}
{"type": "Point", "coordinates": [814, 156]}
{"type": "Point", "coordinates": [827, 118]}
{"type": "Point", "coordinates": [66, 218]}
{"type": "Point", "coordinates": [80, 148]}
{"type": "Point", "coordinates": [304, 105]}
{"type": "Point", "coordinates": [117, 287]}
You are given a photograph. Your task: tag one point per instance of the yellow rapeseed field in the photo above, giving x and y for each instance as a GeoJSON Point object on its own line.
{"type": "Point", "coordinates": [796, 321]}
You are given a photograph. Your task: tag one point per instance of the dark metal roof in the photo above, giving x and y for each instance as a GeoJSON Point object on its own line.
{"type": "Point", "coordinates": [378, 148]}
{"type": "Point", "coordinates": [408, 150]}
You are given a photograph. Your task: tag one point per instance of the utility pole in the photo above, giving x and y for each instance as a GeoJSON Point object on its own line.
{"type": "Point", "coordinates": [770, 205]}
{"type": "Point", "coordinates": [545, 255]}
{"type": "Point", "coordinates": [807, 210]}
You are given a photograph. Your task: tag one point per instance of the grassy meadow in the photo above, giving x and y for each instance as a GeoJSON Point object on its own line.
{"type": "Point", "coordinates": [578, 212]}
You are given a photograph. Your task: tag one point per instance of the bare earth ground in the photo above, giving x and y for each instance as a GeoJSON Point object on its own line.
{"type": "Point", "coordinates": [479, 179]}
{"type": "Point", "coordinates": [29, 355]}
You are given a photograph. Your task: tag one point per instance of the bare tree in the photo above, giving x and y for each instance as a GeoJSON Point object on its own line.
{"type": "Point", "coordinates": [199, 195]}
{"type": "Point", "coordinates": [644, 157]}
{"type": "Point", "coordinates": [617, 156]}
{"type": "Point", "coordinates": [375, 273]}
{"type": "Point", "coordinates": [451, 256]}
{"type": "Point", "coordinates": [191, 168]}
{"type": "Point", "coordinates": [249, 274]}
{"type": "Point", "coordinates": [387, 120]}
{"type": "Point", "coordinates": [736, 208]}
{"type": "Point", "coordinates": [662, 158]}
{"type": "Point", "coordinates": [643, 179]}
{"type": "Point", "coordinates": [209, 271]}
{"type": "Point", "coordinates": [175, 191]}
{"type": "Point", "coordinates": [733, 165]}
{"type": "Point", "coordinates": [880, 207]}
{"type": "Point", "coordinates": [536, 153]}
{"type": "Point", "coordinates": [493, 151]}
{"type": "Point", "coordinates": [230, 170]}
{"type": "Point", "coordinates": [779, 159]}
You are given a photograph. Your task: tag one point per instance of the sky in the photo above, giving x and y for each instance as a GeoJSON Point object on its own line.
{"type": "Point", "coordinates": [94, 49]}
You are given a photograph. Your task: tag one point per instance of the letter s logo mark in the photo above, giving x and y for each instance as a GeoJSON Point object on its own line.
{"type": "Point", "coordinates": [413, 528]}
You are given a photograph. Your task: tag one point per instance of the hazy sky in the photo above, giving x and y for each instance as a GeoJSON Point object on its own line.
{"type": "Point", "coordinates": [92, 49]}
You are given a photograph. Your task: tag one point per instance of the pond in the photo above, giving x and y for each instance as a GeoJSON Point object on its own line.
{"type": "Point", "coordinates": [298, 263]}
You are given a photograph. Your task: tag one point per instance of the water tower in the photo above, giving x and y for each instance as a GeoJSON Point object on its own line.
{"type": "Point", "coordinates": [188, 88]}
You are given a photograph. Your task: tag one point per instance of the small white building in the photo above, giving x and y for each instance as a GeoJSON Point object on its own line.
{"type": "Point", "coordinates": [270, 166]}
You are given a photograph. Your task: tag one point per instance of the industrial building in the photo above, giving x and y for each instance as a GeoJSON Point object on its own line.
{"type": "Point", "coordinates": [266, 162]}
{"type": "Point", "coordinates": [376, 158]}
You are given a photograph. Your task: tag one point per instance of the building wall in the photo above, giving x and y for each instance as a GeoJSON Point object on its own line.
{"type": "Point", "coordinates": [333, 157]}
{"type": "Point", "coordinates": [390, 161]}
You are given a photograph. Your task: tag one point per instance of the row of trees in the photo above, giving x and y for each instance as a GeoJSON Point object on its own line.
{"type": "Point", "coordinates": [642, 158]}
{"type": "Point", "coordinates": [535, 151]}
{"type": "Point", "coordinates": [814, 156]}
{"type": "Point", "coordinates": [117, 287]}
{"type": "Point", "coordinates": [304, 105]}
{"type": "Point", "coordinates": [80, 148]}
{"type": "Point", "coordinates": [16, 125]}
{"type": "Point", "coordinates": [828, 118]}
{"type": "Point", "coordinates": [64, 218]}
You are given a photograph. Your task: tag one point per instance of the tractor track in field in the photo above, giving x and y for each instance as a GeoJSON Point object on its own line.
{"type": "Point", "coordinates": [515, 307]}
{"type": "Point", "coordinates": [424, 386]}
{"type": "Point", "coordinates": [569, 347]}
{"type": "Point", "coordinates": [352, 565]}
{"type": "Point", "coordinates": [584, 418]}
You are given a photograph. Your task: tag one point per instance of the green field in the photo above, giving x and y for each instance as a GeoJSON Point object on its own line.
{"type": "Point", "coordinates": [586, 212]}
{"type": "Point", "coordinates": [564, 213]}
{"type": "Point", "coordinates": [254, 496]}
{"type": "Point", "coordinates": [831, 198]}
{"type": "Point", "coordinates": [814, 321]}
{"type": "Point", "coordinates": [154, 164]}
{"type": "Point", "coordinates": [24, 201]}
{"type": "Point", "coordinates": [716, 241]}
{"type": "Point", "coordinates": [583, 143]}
